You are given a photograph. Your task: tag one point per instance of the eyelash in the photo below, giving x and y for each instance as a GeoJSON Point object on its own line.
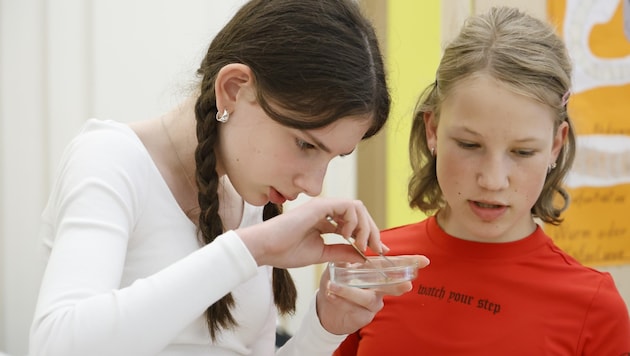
{"type": "Point", "coordinates": [303, 145]}
{"type": "Point", "coordinates": [470, 146]}
{"type": "Point", "coordinates": [524, 153]}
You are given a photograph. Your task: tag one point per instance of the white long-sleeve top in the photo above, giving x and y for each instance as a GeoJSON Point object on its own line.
{"type": "Point", "coordinates": [126, 274]}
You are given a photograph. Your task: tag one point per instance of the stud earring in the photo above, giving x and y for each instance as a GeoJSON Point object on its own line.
{"type": "Point", "coordinates": [551, 167]}
{"type": "Point", "coordinates": [224, 116]}
{"type": "Point", "coordinates": [432, 151]}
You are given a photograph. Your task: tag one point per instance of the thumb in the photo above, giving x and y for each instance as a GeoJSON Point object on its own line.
{"type": "Point", "coordinates": [422, 261]}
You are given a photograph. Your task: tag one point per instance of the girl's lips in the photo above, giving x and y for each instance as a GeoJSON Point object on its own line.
{"type": "Point", "coordinates": [275, 197]}
{"type": "Point", "coordinates": [488, 205]}
{"type": "Point", "coordinates": [487, 211]}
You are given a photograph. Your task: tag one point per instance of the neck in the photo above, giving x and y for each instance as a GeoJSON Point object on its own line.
{"type": "Point", "coordinates": [179, 129]}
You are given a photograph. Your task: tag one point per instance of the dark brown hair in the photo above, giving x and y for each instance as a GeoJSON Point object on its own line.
{"type": "Point", "coordinates": [314, 61]}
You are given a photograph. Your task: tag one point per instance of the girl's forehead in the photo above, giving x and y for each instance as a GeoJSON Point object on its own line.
{"type": "Point", "coordinates": [483, 104]}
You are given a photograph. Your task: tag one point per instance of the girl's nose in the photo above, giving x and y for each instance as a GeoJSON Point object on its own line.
{"type": "Point", "coordinates": [493, 174]}
{"type": "Point", "coordinates": [311, 179]}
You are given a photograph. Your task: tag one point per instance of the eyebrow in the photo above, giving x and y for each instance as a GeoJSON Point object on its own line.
{"type": "Point", "coordinates": [521, 140]}
{"type": "Point", "coordinates": [321, 145]}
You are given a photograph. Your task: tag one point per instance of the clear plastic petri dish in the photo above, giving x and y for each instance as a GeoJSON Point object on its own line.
{"type": "Point", "coordinates": [376, 272]}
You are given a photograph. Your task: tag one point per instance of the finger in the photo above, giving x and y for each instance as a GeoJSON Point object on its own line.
{"type": "Point", "coordinates": [350, 222]}
{"type": "Point", "coordinates": [375, 238]}
{"type": "Point", "coordinates": [422, 260]}
{"type": "Point", "coordinates": [365, 227]}
{"type": "Point", "coordinates": [340, 252]}
{"type": "Point", "coordinates": [385, 248]}
{"type": "Point", "coordinates": [336, 219]}
{"type": "Point", "coordinates": [329, 226]}
{"type": "Point", "coordinates": [369, 299]}
{"type": "Point", "coordinates": [395, 289]}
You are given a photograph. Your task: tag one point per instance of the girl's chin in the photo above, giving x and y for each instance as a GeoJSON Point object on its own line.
{"type": "Point", "coordinates": [258, 200]}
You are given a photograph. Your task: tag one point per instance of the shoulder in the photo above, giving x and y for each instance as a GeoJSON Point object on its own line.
{"type": "Point", "coordinates": [102, 145]}
{"type": "Point", "coordinates": [556, 258]}
{"type": "Point", "coordinates": [597, 286]}
{"type": "Point", "coordinates": [608, 292]}
{"type": "Point", "coordinates": [106, 137]}
{"type": "Point", "coordinates": [104, 155]}
{"type": "Point", "coordinates": [403, 231]}
{"type": "Point", "coordinates": [405, 239]}
{"type": "Point", "coordinates": [608, 319]}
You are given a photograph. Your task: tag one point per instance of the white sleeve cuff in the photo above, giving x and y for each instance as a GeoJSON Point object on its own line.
{"type": "Point", "coordinates": [240, 251]}
{"type": "Point", "coordinates": [311, 339]}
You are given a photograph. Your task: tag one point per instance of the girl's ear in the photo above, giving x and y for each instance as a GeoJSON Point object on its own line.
{"type": "Point", "coordinates": [234, 81]}
{"type": "Point", "coordinates": [430, 126]}
{"type": "Point", "coordinates": [559, 139]}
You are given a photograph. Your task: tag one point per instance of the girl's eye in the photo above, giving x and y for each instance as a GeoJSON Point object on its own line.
{"type": "Point", "coordinates": [467, 145]}
{"type": "Point", "coordinates": [303, 145]}
{"type": "Point", "coordinates": [524, 153]}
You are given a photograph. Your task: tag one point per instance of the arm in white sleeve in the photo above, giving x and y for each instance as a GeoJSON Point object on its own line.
{"type": "Point", "coordinates": [142, 318]}
{"type": "Point", "coordinates": [82, 308]}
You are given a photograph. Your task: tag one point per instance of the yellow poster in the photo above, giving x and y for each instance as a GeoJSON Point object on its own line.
{"type": "Point", "coordinates": [596, 229]}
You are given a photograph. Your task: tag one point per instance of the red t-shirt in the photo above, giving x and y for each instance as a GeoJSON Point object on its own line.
{"type": "Point", "coordinates": [526, 297]}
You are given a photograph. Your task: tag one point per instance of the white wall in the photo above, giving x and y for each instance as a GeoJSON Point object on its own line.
{"type": "Point", "coordinates": [23, 162]}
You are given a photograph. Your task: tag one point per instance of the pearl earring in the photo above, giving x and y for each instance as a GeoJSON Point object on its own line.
{"type": "Point", "coordinates": [224, 116]}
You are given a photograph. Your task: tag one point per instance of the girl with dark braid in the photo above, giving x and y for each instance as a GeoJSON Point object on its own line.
{"type": "Point", "coordinates": [165, 235]}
